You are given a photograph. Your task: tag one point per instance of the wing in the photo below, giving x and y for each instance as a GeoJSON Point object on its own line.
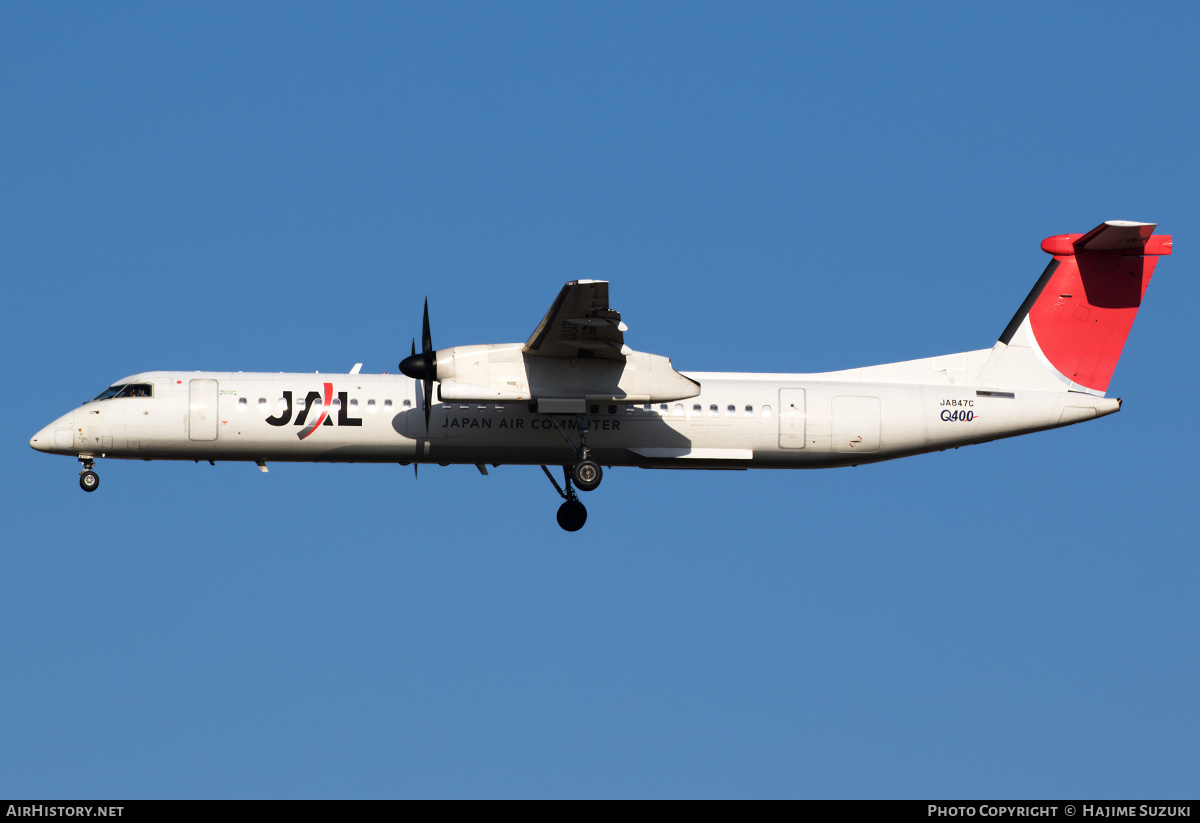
{"type": "Point", "coordinates": [580, 324]}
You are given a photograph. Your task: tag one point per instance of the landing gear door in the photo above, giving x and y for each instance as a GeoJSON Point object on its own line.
{"type": "Point", "coordinates": [202, 409]}
{"type": "Point", "coordinates": [791, 418]}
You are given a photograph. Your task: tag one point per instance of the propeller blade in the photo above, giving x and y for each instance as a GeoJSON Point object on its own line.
{"type": "Point", "coordinates": [426, 337]}
{"type": "Point", "coordinates": [410, 362]}
{"type": "Point", "coordinates": [423, 366]}
{"type": "Point", "coordinates": [430, 361]}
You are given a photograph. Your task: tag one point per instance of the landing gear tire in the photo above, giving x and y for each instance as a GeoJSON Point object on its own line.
{"type": "Point", "coordinates": [587, 475]}
{"type": "Point", "coordinates": [89, 481]}
{"type": "Point", "coordinates": [572, 515]}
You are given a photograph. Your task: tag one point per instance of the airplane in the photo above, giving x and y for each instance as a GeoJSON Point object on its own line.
{"type": "Point", "coordinates": [575, 395]}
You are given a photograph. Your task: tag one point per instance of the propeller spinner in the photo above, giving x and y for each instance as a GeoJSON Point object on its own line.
{"type": "Point", "coordinates": [423, 366]}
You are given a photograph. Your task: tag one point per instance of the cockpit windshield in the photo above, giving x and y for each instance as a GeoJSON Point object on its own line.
{"type": "Point", "coordinates": [127, 390]}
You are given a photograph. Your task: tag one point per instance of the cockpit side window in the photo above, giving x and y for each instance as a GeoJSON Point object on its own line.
{"type": "Point", "coordinates": [127, 390]}
{"type": "Point", "coordinates": [137, 390]}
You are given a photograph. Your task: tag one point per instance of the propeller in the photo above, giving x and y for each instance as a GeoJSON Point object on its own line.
{"type": "Point", "coordinates": [423, 366]}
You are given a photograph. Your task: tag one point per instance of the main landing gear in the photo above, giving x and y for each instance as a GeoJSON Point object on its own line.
{"type": "Point", "coordinates": [571, 514]}
{"type": "Point", "coordinates": [585, 474]}
{"type": "Point", "coordinates": [89, 481]}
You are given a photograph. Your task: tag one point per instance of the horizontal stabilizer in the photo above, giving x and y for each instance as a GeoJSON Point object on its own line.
{"type": "Point", "coordinates": [1112, 237]}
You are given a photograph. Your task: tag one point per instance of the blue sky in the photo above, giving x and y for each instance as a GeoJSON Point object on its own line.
{"type": "Point", "coordinates": [769, 187]}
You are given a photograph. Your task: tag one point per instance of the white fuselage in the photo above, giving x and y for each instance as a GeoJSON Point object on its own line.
{"type": "Point", "coordinates": [576, 395]}
{"type": "Point", "coordinates": [738, 421]}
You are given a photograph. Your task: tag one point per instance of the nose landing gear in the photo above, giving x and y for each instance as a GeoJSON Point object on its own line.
{"type": "Point", "coordinates": [89, 481]}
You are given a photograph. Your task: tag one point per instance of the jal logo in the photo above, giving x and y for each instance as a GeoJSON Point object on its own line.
{"type": "Point", "coordinates": [324, 419]}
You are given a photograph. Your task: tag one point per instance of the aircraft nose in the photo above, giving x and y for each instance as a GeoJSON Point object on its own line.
{"type": "Point", "coordinates": [43, 440]}
{"type": "Point", "coordinates": [55, 437]}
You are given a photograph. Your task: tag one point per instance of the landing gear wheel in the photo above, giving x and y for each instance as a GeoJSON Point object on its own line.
{"type": "Point", "coordinates": [587, 475]}
{"type": "Point", "coordinates": [89, 481]}
{"type": "Point", "coordinates": [572, 515]}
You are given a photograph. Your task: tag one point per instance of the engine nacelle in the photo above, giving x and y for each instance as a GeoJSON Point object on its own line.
{"type": "Point", "coordinates": [504, 373]}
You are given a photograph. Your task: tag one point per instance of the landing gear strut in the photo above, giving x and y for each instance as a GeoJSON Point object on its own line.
{"type": "Point", "coordinates": [89, 481]}
{"type": "Point", "coordinates": [586, 472]}
{"type": "Point", "coordinates": [571, 514]}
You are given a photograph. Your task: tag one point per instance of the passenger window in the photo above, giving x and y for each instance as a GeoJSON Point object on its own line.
{"type": "Point", "coordinates": [612, 409]}
{"type": "Point", "coordinates": [697, 410]}
{"type": "Point", "coordinates": [749, 411]}
{"type": "Point", "coordinates": [370, 405]}
{"type": "Point", "coordinates": [679, 410]}
{"type": "Point", "coordinates": [242, 403]}
{"type": "Point", "coordinates": [629, 409]}
{"type": "Point", "coordinates": [262, 403]}
{"type": "Point", "coordinates": [354, 404]}
{"type": "Point", "coordinates": [407, 404]}
{"type": "Point", "coordinates": [337, 403]}
{"type": "Point", "coordinates": [731, 410]}
{"type": "Point", "coordinates": [387, 405]}
{"type": "Point", "coordinates": [766, 411]}
{"type": "Point", "coordinates": [593, 409]}
{"type": "Point", "coordinates": [713, 411]}
{"type": "Point", "coordinates": [283, 404]}
{"type": "Point", "coordinates": [299, 404]}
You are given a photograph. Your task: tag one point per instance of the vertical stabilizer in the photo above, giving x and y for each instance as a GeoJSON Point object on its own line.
{"type": "Point", "coordinates": [1069, 332]}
